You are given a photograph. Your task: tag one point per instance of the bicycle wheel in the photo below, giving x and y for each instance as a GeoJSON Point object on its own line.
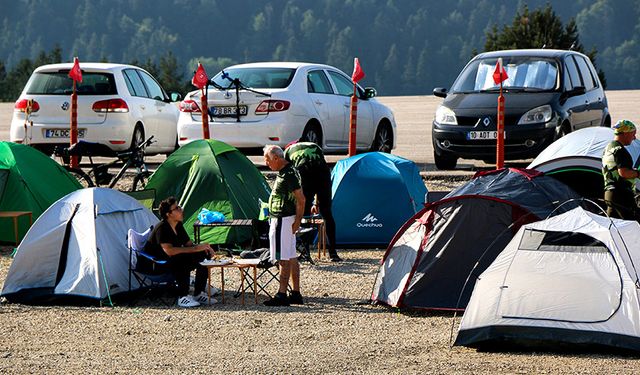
{"type": "Point", "coordinates": [140, 181]}
{"type": "Point", "coordinates": [81, 176]}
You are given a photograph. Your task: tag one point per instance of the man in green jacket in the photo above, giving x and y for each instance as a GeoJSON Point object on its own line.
{"type": "Point", "coordinates": [286, 206]}
{"type": "Point", "coordinates": [619, 174]}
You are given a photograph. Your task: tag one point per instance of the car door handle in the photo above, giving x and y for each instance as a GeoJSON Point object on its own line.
{"type": "Point", "coordinates": [347, 105]}
{"type": "Point", "coordinates": [318, 102]}
{"type": "Point", "coordinates": [142, 106]}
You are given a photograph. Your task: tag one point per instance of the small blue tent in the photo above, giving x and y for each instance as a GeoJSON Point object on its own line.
{"type": "Point", "coordinates": [373, 195]}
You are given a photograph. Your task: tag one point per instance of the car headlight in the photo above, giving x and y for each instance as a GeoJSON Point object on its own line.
{"type": "Point", "coordinates": [537, 115]}
{"type": "Point", "coordinates": [445, 116]}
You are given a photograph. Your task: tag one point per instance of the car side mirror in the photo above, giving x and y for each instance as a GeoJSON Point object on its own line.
{"type": "Point", "coordinates": [440, 92]}
{"type": "Point", "coordinates": [370, 92]}
{"type": "Point", "coordinates": [176, 97]}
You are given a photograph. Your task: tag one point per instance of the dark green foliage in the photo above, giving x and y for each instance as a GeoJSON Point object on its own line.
{"type": "Point", "coordinates": [541, 28]}
{"type": "Point", "coordinates": [405, 47]}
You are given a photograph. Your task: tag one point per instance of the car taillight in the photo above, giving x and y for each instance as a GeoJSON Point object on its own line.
{"type": "Point", "coordinates": [21, 105]}
{"type": "Point", "coordinates": [267, 106]}
{"type": "Point", "coordinates": [189, 106]}
{"type": "Point", "coordinates": [110, 105]}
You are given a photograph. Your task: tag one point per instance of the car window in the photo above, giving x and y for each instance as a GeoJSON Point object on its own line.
{"type": "Point", "coordinates": [154, 89]}
{"type": "Point", "coordinates": [343, 84]}
{"type": "Point", "coordinates": [257, 78]}
{"type": "Point", "coordinates": [524, 72]}
{"type": "Point", "coordinates": [594, 74]}
{"type": "Point", "coordinates": [59, 83]}
{"type": "Point", "coordinates": [134, 83]}
{"type": "Point", "coordinates": [317, 82]}
{"type": "Point", "coordinates": [585, 73]}
{"type": "Point", "coordinates": [567, 80]}
{"type": "Point", "coordinates": [573, 72]}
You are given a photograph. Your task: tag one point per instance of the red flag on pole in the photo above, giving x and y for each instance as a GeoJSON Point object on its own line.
{"type": "Point", "coordinates": [200, 79]}
{"type": "Point", "coordinates": [499, 74]}
{"type": "Point", "coordinates": [358, 74]}
{"type": "Point", "coordinates": [75, 73]}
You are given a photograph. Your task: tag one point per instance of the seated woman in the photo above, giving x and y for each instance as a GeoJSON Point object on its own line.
{"type": "Point", "coordinates": [169, 240]}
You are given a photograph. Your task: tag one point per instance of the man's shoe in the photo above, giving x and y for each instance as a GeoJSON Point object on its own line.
{"type": "Point", "coordinates": [188, 301]}
{"type": "Point", "coordinates": [335, 258]}
{"type": "Point", "coordinates": [203, 298]}
{"type": "Point", "coordinates": [295, 298]}
{"type": "Point", "coordinates": [279, 299]}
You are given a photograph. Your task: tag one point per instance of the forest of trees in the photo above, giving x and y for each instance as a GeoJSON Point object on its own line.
{"type": "Point", "coordinates": [405, 46]}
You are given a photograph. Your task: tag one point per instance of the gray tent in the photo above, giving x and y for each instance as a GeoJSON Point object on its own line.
{"type": "Point", "coordinates": [568, 281]}
{"type": "Point", "coordinates": [431, 256]}
{"type": "Point", "coordinates": [77, 249]}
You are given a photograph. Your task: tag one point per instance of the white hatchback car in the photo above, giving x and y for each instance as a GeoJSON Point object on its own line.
{"type": "Point", "coordinates": [280, 102]}
{"type": "Point", "coordinates": [118, 106]}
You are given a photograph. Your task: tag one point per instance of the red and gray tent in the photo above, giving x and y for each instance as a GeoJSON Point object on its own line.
{"type": "Point", "coordinates": [430, 258]}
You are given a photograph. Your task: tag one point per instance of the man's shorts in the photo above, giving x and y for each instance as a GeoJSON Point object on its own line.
{"type": "Point", "coordinates": [282, 240]}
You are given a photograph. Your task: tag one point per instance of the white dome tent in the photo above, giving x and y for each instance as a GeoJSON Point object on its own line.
{"type": "Point", "coordinates": [570, 280]}
{"type": "Point", "coordinates": [576, 159]}
{"type": "Point", "coordinates": [77, 249]}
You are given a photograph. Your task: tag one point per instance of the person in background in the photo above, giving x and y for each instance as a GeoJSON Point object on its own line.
{"type": "Point", "coordinates": [308, 159]}
{"type": "Point", "coordinates": [169, 240]}
{"type": "Point", "coordinates": [619, 174]}
{"type": "Point", "coordinates": [286, 206]}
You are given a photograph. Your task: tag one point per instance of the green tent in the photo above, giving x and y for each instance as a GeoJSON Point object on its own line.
{"type": "Point", "coordinates": [211, 174]}
{"type": "Point", "coordinates": [29, 181]}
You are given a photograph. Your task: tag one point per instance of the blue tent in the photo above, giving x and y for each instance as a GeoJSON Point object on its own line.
{"type": "Point", "coordinates": [373, 195]}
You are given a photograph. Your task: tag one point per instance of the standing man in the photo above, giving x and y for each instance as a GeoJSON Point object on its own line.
{"type": "Point", "coordinates": [170, 241]}
{"type": "Point", "coordinates": [308, 159]}
{"type": "Point", "coordinates": [619, 174]}
{"type": "Point", "coordinates": [286, 206]}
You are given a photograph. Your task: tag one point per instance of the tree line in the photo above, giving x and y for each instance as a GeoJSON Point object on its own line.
{"type": "Point", "coordinates": [406, 47]}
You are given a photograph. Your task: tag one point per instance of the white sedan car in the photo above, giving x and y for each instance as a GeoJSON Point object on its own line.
{"type": "Point", "coordinates": [281, 102]}
{"type": "Point", "coordinates": [118, 106]}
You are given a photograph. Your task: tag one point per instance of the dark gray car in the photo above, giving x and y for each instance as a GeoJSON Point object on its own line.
{"type": "Point", "coordinates": [549, 93]}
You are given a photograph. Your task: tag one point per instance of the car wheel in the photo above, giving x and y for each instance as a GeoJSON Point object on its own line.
{"type": "Point", "coordinates": [138, 136]}
{"type": "Point", "coordinates": [383, 140]}
{"type": "Point", "coordinates": [312, 133]}
{"type": "Point", "coordinates": [445, 161]}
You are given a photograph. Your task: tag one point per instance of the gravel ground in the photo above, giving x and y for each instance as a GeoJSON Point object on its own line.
{"type": "Point", "coordinates": [335, 332]}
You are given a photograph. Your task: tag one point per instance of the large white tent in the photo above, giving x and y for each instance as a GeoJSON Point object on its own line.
{"type": "Point", "coordinates": [571, 280]}
{"type": "Point", "coordinates": [77, 249]}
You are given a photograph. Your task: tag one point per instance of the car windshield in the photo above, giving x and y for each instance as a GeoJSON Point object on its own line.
{"type": "Point", "coordinates": [59, 83]}
{"type": "Point", "coordinates": [257, 78]}
{"type": "Point", "coordinates": [525, 73]}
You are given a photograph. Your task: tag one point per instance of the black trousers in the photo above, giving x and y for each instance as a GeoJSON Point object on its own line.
{"type": "Point", "coordinates": [181, 266]}
{"type": "Point", "coordinates": [621, 204]}
{"type": "Point", "coordinates": [318, 181]}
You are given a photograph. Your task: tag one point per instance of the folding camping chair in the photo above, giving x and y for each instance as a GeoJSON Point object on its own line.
{"type": "Point", "coordinates": [268, 271]}
{"type": "Point", "coordinates": [151, 273]}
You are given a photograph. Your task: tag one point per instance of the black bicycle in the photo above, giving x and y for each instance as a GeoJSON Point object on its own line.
{"type": "Point", "coordinates": [99, 174]}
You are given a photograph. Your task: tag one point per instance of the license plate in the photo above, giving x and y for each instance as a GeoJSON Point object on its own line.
{"type": "Point", "coordinates": [483, 135]}
{"type": "Point", "coordinates": [62, 133]}
{"type": "Point", "coordinates": [228, 111]}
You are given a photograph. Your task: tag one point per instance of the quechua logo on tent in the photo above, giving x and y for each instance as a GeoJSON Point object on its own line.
{"type": "Point", "coordinates": [369, 221]}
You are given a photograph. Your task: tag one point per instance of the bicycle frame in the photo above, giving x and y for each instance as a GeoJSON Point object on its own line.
{"type": "Point", "coordinates": [100, 172]}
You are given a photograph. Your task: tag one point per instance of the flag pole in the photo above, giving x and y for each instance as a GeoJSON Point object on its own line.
{"type": "Point", "coordinates": [500, 125]}
{"type": "Point", "coordinates": [205, 114]}
{"type": "Point", "coordinates": [353, 119]}
{"type": "Point", "coordinates": [73, 137]}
